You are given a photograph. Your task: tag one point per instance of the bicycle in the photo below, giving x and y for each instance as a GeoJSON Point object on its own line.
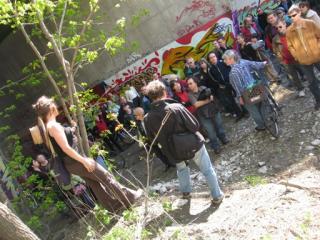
{"type": "Point", "coordinates": [269, 108]}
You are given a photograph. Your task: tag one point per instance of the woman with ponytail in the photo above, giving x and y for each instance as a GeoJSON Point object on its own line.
{"type": "Point", "coordinates": [62, 142]}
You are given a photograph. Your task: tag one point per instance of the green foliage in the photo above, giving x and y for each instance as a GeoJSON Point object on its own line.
{"type": "Point", "coordinates": [130, 215]}
{"type": "Point", "coordinates": [4, 128]}
{"type": "Point", "coordinates": [255, 180]}
{"type": "Point", "coordinates": [34, 223]}
{"type": "Point", "coordinates": [120, 233]}
{"type": "Point", "coordinates": [136, 18]}
{"type": "Point", "coordinates": [102, 215]}
{"type": "Point", "coordinates": [167, 206]}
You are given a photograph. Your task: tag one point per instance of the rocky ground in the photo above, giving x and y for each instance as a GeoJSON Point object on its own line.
{"type": "Point", "coordinates": [272, 186]}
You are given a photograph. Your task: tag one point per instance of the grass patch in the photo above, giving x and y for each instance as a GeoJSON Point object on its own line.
{"type": "Point", "coordinates": [255, 180]}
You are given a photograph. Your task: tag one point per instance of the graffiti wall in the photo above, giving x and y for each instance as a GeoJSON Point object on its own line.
{"type": "Point", "coordinates": [170, 58]}
{"type": "Point", "coordinates": [197, 39]}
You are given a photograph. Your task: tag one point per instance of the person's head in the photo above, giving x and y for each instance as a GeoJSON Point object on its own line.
{"type": "Point", "coordinates": [138, 113]}
{"type": "Point", "coordinates": [192, 84]}
{"type": "Point", "coordinates": [156, 90]}
{"type": "Point", "coordinates": [155, 76]}
{"type": "Point", "coordinates": [254, 38]}
{"type": "Point", "coordinates": [143, 90]}
{"type": "Point", "coordinates": [122, 100]}
{"type": "Point", "coordinates": [230, 57]}
{"type": "Point", "coordinates": [222, 42]}
{"type": "Point", "coordinates": [39, 163]}
{"type": "Point", "coordinates": [260, 11]}
{"type": "Point", "coordinates": [272, 18]}
{"type": "Point", "coordinates": [280, 12]}
{"type": "Point", "coordinates": [45, 107]}
{"type": "Point", "coordinates": [294, 13]}
{"type": "Point", "coordinates": [203, 64]}
{"type": "Point", "coordinates": [216, 44]}
{"type": "Point", "coordinates": [240, 40]}
{"type": "Point", "coordinates": [42, 160]}
{"type": "Point", "coordinates": [304, 7]}
{"type": "Point", "coordinates": [175, 86]}
{"type": "Point", "coordinates": [190, 62]}
{"type": "Point", "coordinates": [212, 58]}
{"type": "Point", "coordinates": [247, 22]}
{"type": "Point", "coordinates": [127, 109]}
{"type": "Point", "coordinates": [281, 27]}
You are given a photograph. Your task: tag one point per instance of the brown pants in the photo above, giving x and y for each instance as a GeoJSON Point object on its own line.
{"type": "Point", "coordinates": [110, 194]}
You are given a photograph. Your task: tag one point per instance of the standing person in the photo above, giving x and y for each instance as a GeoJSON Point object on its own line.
{"type": "Point", "coordinates": [271, 30]}
{"type": "Point", "coordinates": [219, 72]}
{"type": "Point", "coordinates": [110, 194]}
{"type": "Point", "coordinates": [303, 38]}
{"type": "Point", "coordinates": [208, 113]}
{"type": "Point", "coordinates": [145, 101]}
{"type": "Point", "coordinates": [132, 96]}
{"type": "Point", "coordinates": [280, 48]}
{"type": "Point", "coordinates": [139, 116]}
{"type": "Point", "coordinates": [285, 4]}
{"type": "Point", "coordinates": [308, 13]}
{"type": "Point", "coordinates": [174, 120]}
{"type": "Point", "coordinates": [241, 78]}
{"type": "Point", "coordinates": [249, 28]}
{"type": "Point", "coordinates": [262, 19]}
{"type": "Point", "coordinates": [181, 96]}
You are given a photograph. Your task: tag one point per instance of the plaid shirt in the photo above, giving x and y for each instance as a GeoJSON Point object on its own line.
{"type": "Point", "coordinates": [241, 77]}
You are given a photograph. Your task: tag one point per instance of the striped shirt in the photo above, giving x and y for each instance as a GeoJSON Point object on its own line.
{"type": "Point", "coordinates": [240, 75]}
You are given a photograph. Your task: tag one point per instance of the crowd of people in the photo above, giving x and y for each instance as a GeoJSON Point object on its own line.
{"type": "Point", "coordinates": [278, 47]}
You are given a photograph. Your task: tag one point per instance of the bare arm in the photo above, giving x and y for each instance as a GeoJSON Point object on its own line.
{"type": "Point", "coordinates": [57, 132]}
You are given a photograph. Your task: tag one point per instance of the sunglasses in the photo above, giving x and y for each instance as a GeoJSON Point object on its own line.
{"type": "Point", "coordinates": [293, 15]}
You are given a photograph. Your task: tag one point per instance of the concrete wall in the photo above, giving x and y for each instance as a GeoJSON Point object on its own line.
{"type": "Point", "coordinates": [168, 26]}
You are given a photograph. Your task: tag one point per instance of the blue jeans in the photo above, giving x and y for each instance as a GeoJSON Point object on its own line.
{"type": "Point", "coordinates": [214, 128]}
{"type": "Point", "coordinates": [255, 113]}
{"type": "Point", "coordinates": [203, 161]}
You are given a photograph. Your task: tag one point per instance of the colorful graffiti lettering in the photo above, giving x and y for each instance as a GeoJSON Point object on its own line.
{"type": "Point", "coordinates": [267, 6]}
{"type": "Point", "coordinates": [170, 58]}
{"type": "Point", "coordinates": [174, 58]}
{"type": "Point", "coordinates": [201, 9]}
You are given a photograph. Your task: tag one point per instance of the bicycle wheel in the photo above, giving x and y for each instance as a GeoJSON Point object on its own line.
{"type": "Point", "coordinates": [270, 117]}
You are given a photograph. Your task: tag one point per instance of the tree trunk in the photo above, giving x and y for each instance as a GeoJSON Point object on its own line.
{"type": "Point", "coordinates": [12, 228]}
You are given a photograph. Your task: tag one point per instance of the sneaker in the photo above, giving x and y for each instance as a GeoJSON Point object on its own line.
{"type": "Point", "coordinates": [217, 201]}
{"type": "Point", "coordinates": [227, 114]}
{"type": "Point", "coordinates": [217, 150]}
{"type": "Point", "coordinates": [260, 129]}
{"type": "Point", "coordinates": [301, 93]}
{"type": "Point", "coordinates": [138, 194]}
{"type": "Point", "coordinates": [225, 141]}
{"type": "Point", "coordinates": [186, 195]}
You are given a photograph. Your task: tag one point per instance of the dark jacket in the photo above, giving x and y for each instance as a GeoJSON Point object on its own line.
{"type": "Point", "coordinates": [179, 121]}
{"type": "Point", "coordinates": [249, 53]}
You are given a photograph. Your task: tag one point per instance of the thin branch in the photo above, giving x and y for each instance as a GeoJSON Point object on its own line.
{"type": "Point", "coordinates": [46, 70]}
{"type": "Point", "coordinates": [62, 17]}
{"type": "Point", "coordinates": [84, 28]}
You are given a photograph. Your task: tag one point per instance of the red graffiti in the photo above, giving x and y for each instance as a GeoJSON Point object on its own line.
{"type": "Point", "coordinates": [147, 66]}
{"type": "Point", "coordinates": [205, 9]}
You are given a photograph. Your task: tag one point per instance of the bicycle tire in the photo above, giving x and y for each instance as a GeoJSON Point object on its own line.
{"type": "Point", "coordinates": [270, 117]}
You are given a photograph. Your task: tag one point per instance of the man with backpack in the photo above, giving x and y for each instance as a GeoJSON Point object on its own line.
{"type": "Point", "coordinates": [176, 133]}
